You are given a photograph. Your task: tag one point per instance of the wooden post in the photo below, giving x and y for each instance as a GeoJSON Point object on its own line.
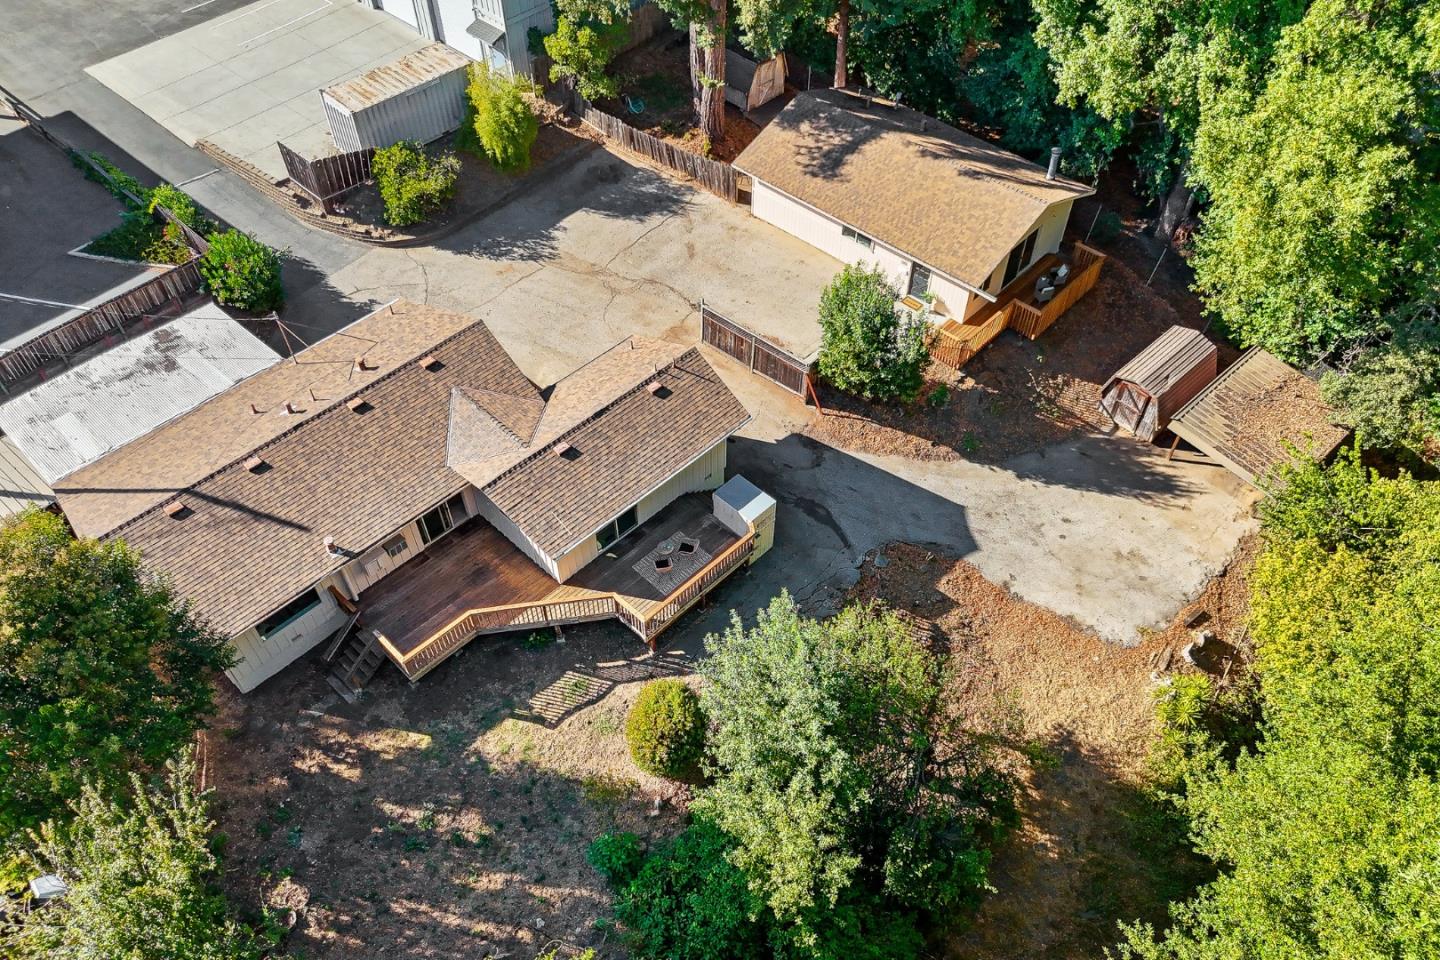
{"type": "Point", "coordinates": [810, 385]}
{"type": "Point", "coordinates": [1169, 454]}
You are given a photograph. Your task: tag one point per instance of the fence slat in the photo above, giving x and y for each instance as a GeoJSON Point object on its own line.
{"type": "Point", "coordinates": [717, 177]}
{"type": "Point", "coordinates": [328, 177]}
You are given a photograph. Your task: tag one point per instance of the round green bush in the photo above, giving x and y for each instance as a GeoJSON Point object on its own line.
{"type": "Point", "coordinates": [617, 856]}
{"type": "Point", "coordinates": [241, 272]}
{"type": "Point", "coordinates": [666, 731]}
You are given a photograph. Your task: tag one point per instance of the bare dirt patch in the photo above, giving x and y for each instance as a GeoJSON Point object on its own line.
{"type": "Point", "coordinates": [1016, 395]}
{"type": "Point", "coordinates": [445, 820]}
{"type": "Point", "coordinates": [1093, 848]}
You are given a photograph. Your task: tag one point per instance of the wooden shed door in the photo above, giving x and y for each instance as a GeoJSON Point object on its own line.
{"type": "Point", "coordinates": [1129, 407]}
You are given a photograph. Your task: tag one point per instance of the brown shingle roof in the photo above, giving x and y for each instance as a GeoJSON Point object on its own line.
{"type": "Point", "coordinates": [950, 200]}
{"type": "Point", "coordinates": [620, 452]}
{"type": "Point", "coordinates": [154, 467]}
{"type": "Point", "coordinates": [253, 540]}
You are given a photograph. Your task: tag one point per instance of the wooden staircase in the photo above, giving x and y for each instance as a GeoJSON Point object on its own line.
{"type": "Point", "coordinates": [354, 653]}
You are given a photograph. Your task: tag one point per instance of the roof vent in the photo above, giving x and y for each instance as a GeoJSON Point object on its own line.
{"type": "Point", "coordinates": [257, 465]}
{"type": "Point", "coordinates": [657, 389]}
{"type": "Point", "coordinates": [359, 405]}
{"type": "Point", "coordinates": [256, 410]}
{"type": "Point", "coordinates": [365, 363]}
{"type": "Point", "coordinates": [177, 510]}
{"type": "Point", "coordinates": [332, 549]}
{"type": "Point", "coordinates": [564, 451]}
{"type": "Point", "coordinates": [290, 408]}
{"type": "Point", "coordinates": [431, 363]}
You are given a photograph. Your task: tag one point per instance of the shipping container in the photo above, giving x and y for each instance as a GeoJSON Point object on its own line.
{"type": "Point", "coordinates": [420, 96]}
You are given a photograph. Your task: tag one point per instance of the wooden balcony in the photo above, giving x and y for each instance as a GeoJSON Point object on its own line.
{"type": "Point", "coordinates": [955, 344]}
{"type": "Point", "coordinates": [476, 582]}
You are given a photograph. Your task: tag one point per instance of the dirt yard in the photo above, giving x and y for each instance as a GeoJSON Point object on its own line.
{"type": "Point", "coordinates": [445, 820]}
{"type": "Point", "coordinates": [451, 819]}
{"type": "Point", "coordinates": [1093, 849]}
{"type": "Point", "coordinates": [657, 75]}
{"type": "Point", "coordinates": [1017, 395]}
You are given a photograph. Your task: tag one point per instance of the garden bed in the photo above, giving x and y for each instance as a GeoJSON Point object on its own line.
{"type": "Point", "coordinates": [477, 188]}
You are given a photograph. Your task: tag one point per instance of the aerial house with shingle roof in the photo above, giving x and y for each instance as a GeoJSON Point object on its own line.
{"type": "Point", "coordinates": [402, 487]}
{"type": "Point", "coordinates": [943, 213]}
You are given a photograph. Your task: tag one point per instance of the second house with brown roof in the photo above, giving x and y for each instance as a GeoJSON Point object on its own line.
{"type": "Point", "coordinates": [947, 216]}
{"type": "Point", "coordinates": [401, 487]}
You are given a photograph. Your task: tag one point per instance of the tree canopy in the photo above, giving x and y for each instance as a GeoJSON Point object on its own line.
{"type": "Point", "coordinates": [868, 345]}
{"type": "Point", "coordinates": [102, 669]}
{"type": "Point", "coordinates": [1326, 832]}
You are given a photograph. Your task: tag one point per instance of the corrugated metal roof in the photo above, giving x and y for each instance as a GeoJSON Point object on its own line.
{"type": "Point", "coordinates": [397, 77]}
{"type": "Point", "coordinates": [1250, 415]}
{"type": "Point", "coordinates": [1161, 365]}
{"type": "Point", "coordinates": [127, 391]}
{"type": "Point", "coordinates": [20, 485]}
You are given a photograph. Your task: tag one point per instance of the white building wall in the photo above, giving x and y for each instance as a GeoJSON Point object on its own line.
{"type": "Point", "coordinates": [497, 518]}
{"type": "Point", "coordinates": [517, 17]}
{"type": "Point", "coordinates": [826, 233]}
{"type": "Point", "coordinates": [263, 657]}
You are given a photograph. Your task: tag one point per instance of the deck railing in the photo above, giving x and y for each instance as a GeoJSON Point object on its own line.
{"type": "Point", "coordinates": [538, 614]}
{"type": "Point", "coordinates": [955, 344]}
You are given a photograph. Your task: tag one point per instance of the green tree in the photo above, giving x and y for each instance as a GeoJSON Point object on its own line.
{"type": "Point", "coordinates": [102, 669]}
{"type": "Point", "coordinates": [583, 51]}
{"type": "Point", "coordinates": [1325, 196]}
{"type": "Point", "coordinates": [843, 777]}
{"type": "Point", "coordinates": [1391, 394]}
{"type": "Point", "coordinates": [141, 879]}
{"type": "Point", "coordinates": [666, 730]}
{"type": "Point", "coordinates": [241, 272]}
{"type": "Point", "coordinates": [869, 346]}
{"type": "Point", "coordinates": [413, 184]}
{"type": "Point", "coordinates": [1326, 832]}
{"type": "Point", "coordinates": [503, 121]}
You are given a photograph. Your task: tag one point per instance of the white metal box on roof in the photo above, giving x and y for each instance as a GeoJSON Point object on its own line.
{"type": "Point", "coordinates": [420, 96]}
{"type": "Point", "coordinates": [82, 414]}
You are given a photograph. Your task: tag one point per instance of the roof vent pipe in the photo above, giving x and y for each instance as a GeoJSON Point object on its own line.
{"type": "Point", "coordinates": [1054, 163]}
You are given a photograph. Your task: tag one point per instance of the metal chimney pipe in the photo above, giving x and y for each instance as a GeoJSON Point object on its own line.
{"type": "Point", "coordinates": [1054, 163]}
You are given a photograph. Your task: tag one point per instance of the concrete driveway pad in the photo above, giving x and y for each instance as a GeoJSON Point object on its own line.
{"type": "Point", "coordinates": [252, 76]}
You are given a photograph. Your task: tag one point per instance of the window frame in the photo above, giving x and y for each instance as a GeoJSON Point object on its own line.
{"type": "Point", "coordinates": [850, 233]}
{"type": "Point", "coordinates": [1021, 256]}
{"type": "Point", "coordinates": [917, 268]}
{"type": "Point", "coordinates": [451, 512]}
{"type": "Point", "coordinates": [304, 604]}
{"type": "Point", "coordinates": [616, 530]}
{"type": "Point", "coordinates": [395, 546]}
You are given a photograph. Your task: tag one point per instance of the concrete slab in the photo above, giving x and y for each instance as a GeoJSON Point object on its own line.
{"type": "Point", "coordinates": [251, 76]}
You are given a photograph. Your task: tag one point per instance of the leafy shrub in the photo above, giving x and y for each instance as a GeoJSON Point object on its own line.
{"type": "Point", "coordinates": [1390, 394]}
{"type": "Point", "coordinates": [666, 731]}
{"type": "Point", "coordinates": [505, 126]}
{"type": "Point", "coordinates": [584, 51]}
{"type": "Point", "coordinates": [119, 183]}
{"type": "Point", "coordinates": [412, 183]}
{"type": "Point", "coordinates": [241, 272]}
{"type": "Point", "coordinates": [141, 878]}
{"type": "Point", "coordinates": [617, 857]}
{"type": "Point", "coordinates": [140, 238]}
{"type": "Point", "coordinates": [1107, 227]}
{"type": "Point", "coordinates": [181, 206]}
{"type": "Point", "coordinates": [689, 902]}
{"type": "Point", "coordinates": [868, 345]}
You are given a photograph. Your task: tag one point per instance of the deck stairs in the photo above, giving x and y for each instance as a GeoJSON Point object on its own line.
{"type": "Point", "coordinates": [356, 662]}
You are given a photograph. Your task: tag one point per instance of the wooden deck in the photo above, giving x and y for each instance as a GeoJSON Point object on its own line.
{"type": "Point", "coordinates": [954, 343]}
{"type": "Point", "coordinates": [475, 581]}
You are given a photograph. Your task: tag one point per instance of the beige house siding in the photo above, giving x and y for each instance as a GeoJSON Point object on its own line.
{"type": "Point", "coordinates": [505, 525]}
{"type": "Point", "coordinates": [263, 657]}
{"type": "Point", "coordinates": [826, 233]}
{"type": "Point", "coordinates": [1051, 226]}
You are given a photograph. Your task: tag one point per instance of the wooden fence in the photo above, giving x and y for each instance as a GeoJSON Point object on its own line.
{"type": "Point", "coordinates": [328, 177]}
{"type": "Point", "coordinates": [1031, 321]}
{"type": "Point", "coordinates": [719, 178]}
{"type": "Point", "coordinates": [107, 319]}
{"type": "Point", "coordinates": [955, 343]}
{"type": "Point", "coordinates": [755, 352]}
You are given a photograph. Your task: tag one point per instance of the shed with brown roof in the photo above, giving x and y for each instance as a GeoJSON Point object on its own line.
{"type": "Point", "coordinates": [1252, 416]}
{"type": "Point", "coordinates": [1144, 394]}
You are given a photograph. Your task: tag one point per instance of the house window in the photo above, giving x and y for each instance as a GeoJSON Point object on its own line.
{"type": "Point", "coordinates": [617, 528]}
{"type": "Point", "coordinates": [288, 614]}
{"type": "Point", "coordinates": [443, 519]}
{"type": "Point", "coordinates": [858, 237]}
{"type": "Point", "coordinates": [919, 280]}
{"type": "Point", "coordinates": [1019, 258]}
{"type": "Point", "coordinates": [396, 546]}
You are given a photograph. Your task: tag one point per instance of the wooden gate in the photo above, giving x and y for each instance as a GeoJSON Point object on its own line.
{"type": "Point", "coordinates": [756, 353]}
